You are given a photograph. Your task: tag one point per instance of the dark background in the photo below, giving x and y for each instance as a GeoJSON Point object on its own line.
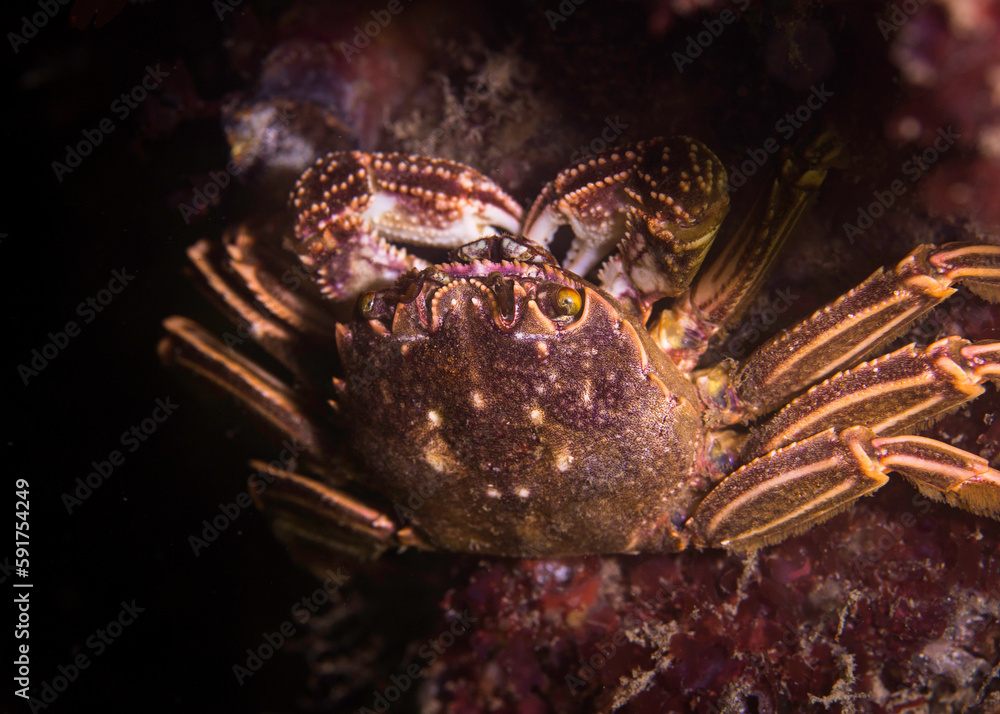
{"type": "Point", "coordinates": [129, 539]}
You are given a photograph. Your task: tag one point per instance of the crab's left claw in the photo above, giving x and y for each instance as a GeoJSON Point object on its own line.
{"type": "Point", "coordinates": [660, 201]}
{"type": "Point", "coordinates": [350, 205]}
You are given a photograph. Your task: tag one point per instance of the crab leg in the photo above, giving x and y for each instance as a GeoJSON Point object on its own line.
{"type": "Point", "coordinates": [308, 515]}
{"type": "Point", "coordinates": [857, 324]}
{"type": "Point", "coordinates": [660, 201]}
{"type": "Point", "coordinates": [889, 395]}
{"type": "Point", "coordinates": [279, 285]}
{"type": "Point", "coordinates": [276, 317]}
{"type": "Point", "coordinates": [193, 348]}
{"type": "Point", "coordinates": [724, 290]}
{"type": "Point", "coordinates": [351, 204]}
{"type": "Point", "coordinates": [943, 472]}
{"type": "Point", "coordinates": [795, 487]}
{"type": "Point", "coordinates": [305, 513]}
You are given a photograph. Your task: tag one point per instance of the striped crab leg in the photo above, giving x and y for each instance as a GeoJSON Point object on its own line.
{"type": "Point", "coordinates": [797, 486]}
{"type": "Point", "coordinates": [890, 395]}
{"type": "Point", "coordinates": [272, 401]}
{"type": "Point", "coordinates": [855, 325]}
{"type": "Point", "coordinates": [723, 291]}
{"type": "Point", "coordinates": [315, 519]}
{"type": "Point", "coordinates": [268, 297]}
{"type": "Point", "coordinates": [351, 205]}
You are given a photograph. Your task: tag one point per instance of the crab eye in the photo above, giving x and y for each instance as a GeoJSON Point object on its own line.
{"type": "Point", "coordinates": [568, 301]}
{"type": "Point", "coordinates": [366, 303]}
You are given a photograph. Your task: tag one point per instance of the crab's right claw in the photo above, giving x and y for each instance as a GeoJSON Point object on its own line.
{"type": "Point", "coordinates": [351, 204]}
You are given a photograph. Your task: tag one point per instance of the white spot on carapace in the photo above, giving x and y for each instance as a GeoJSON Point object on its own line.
{"type": "Point", "coordinates": [492, 492]}
{"type": "Point", "coordinates": [523, 492]}
{"type": "Point", "coordinates": [543, 349]}
{"type": "Point", "coordinates": [585, 396]}
{"type": "Point", "coordinates": [563, 461]}
{"type": "Point", "coordinates": [477, 400]}
{"type": "Point", "coordinates": [536, 416]}
{"type": "Point", "coordinates": [434, 460]}
{"type": "Point", "coordinates": [434, 417]}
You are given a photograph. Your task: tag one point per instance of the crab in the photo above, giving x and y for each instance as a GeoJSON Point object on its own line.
{"type": "Point", "coordinates": [497, 402]}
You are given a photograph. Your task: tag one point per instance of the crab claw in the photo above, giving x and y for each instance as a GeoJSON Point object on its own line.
{"type": "Point", "coordinates": [660, 201]}
{"type": "Point", "coordinates": [350, 205]}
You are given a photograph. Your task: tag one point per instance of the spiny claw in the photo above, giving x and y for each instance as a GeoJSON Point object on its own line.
{"type": "Point", "coordinates": [590, 197]}
{"type": "Point", "coordinates": [660, 201]}
{"type": "Point", "coordinates": [351, 204]}
{"type": "Point", "coordinates": [679, 201]}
